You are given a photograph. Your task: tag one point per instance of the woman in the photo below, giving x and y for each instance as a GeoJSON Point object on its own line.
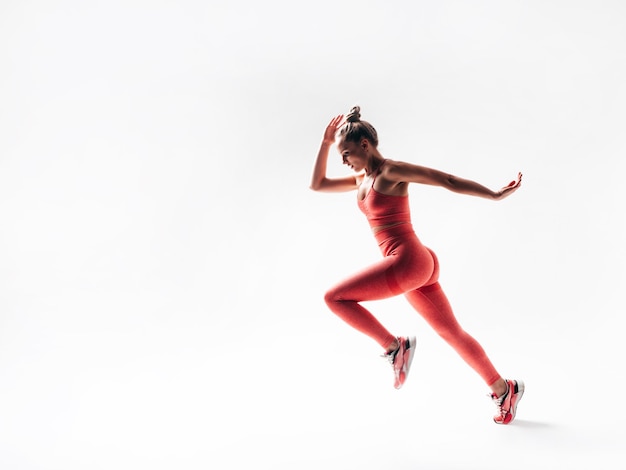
{"type": "Point", "coordinates": [408, 267]}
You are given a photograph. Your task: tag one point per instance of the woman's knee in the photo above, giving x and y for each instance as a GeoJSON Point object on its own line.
{"type": "Point", "coordinates": [332, 296]}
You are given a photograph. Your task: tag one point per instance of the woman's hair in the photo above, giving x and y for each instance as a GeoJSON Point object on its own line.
{"type": "Point", "coordinates": [354, 130]}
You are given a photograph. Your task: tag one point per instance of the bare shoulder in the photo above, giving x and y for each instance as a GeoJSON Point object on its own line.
{"type": "Point", "coordinates": [398, 170]}
{"type": "Point", "coordinates": [401, 171]}
{"type": "Point", "coordinates": [392, 179]}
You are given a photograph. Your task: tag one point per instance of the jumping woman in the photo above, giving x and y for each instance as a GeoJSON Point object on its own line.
{"type": "Point", "coordinates": [407, 267]}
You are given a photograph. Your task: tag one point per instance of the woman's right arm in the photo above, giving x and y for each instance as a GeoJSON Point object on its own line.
{"type": "Point", "coordinates": [319, 181]}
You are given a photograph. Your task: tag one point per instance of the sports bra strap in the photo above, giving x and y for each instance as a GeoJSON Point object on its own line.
{"type": "Point", "coordinates": [378, 171]}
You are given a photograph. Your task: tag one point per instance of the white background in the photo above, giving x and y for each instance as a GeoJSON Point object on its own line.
{"type": "Point", "coordinates": [163, 262]}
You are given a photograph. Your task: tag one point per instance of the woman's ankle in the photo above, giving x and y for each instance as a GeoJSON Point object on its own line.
{"type": "Point", "coordinates": [499, 387]}
{"type": "Point", "coordinates": [392, 346]}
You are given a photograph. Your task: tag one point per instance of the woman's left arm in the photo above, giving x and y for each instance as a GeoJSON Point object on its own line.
{"type": "Point", "coordinates": [407, 172]}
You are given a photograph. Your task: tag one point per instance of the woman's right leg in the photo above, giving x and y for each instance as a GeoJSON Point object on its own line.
{"type": "Point", "coordinates": [380, 281]}
{"type": "Point", "coordinates": [373, 283]}
{"type": "Point", "coordinates": [406, 265]}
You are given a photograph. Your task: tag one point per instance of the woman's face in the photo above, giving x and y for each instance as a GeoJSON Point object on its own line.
{"type": "Point", "coordinates": [353, 154]}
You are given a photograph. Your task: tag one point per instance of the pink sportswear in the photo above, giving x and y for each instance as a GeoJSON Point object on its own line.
{"type": "Point", "coordinates": [409, 268]}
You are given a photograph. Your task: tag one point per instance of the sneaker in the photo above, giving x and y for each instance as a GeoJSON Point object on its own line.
{"type": "Point", "coordinates": [401, 359]}
{"type": "Point", "coordinates": [507, 403]}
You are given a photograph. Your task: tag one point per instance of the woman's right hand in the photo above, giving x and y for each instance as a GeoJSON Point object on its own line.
{"type": "Point", "coordinates": [319, 181]}
{"type": "Point", "coordinates": [331, 129]}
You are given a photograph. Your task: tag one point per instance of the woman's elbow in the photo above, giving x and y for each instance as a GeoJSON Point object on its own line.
{"type": "Point", "coordinates": [318, 184]}
{"type": "Point", "coordinates": [450, 182]}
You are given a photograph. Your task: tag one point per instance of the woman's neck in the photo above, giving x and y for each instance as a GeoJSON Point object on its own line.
{"type": "Point", "coordinates": [374, 164]}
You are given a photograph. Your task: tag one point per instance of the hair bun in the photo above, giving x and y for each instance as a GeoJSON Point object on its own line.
{"type": "Point", "coordinates": [354, 115]}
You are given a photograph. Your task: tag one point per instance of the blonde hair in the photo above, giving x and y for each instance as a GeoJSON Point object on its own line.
{"type": "Point", "coordinates": [354, 130]}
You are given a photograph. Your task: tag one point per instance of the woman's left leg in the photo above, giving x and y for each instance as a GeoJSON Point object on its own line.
{"type": "Point", "coordinates": [431, 302]}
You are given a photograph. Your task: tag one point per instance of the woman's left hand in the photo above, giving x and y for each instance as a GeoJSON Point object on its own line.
{"type": "Point", "coordinates": [510, 188]}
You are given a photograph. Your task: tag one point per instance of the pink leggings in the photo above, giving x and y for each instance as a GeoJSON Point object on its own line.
{"type": "Point", "coordinates": [408, 268]}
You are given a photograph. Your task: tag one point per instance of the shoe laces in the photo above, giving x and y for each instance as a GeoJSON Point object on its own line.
{"type": "Point", "coordinates": [391, 355]}
{"type": "Point", "coordinates": [498, 401]}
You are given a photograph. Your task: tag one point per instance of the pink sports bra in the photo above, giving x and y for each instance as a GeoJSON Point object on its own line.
{"type": "Point", "coordinates": [384, 209]}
